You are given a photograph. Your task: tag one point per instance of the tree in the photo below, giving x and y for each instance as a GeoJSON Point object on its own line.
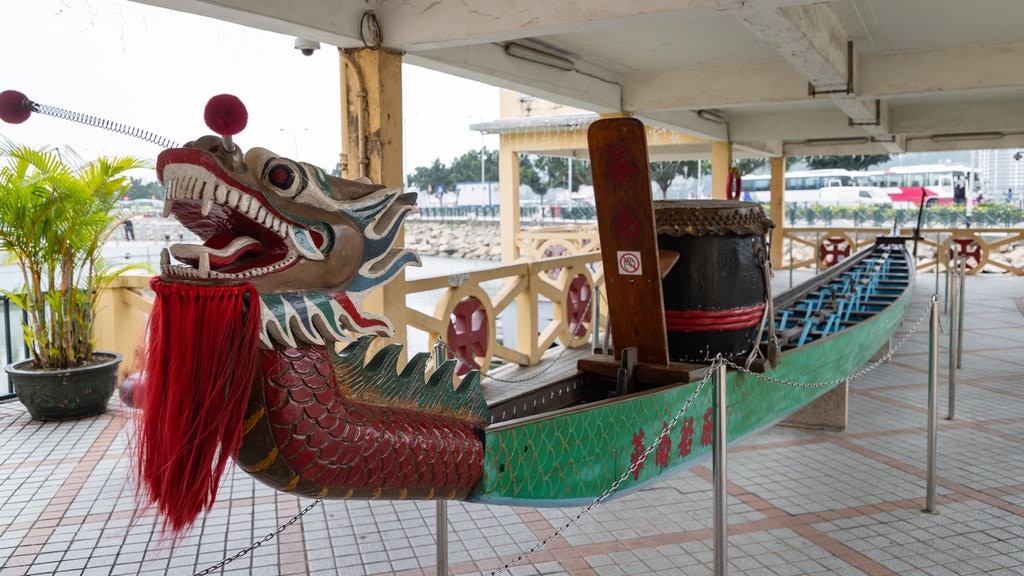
{"type": "Point", "coordinates": [140, 190]}
{"type": "Point", "coordinates": [435, 179]}
{"type": "Point", "coordinates": [851, 162]}
{"type": "Point", "coordinates": [553, 171]}
{"type": "Point", "coordinates": [528, 175]}
{"type": "Point", "coordinates": [581, 175]}
{"type": "Point", "coordinates": [663, 173]}
{"type": "Point", "coordinates": [466, 168]}
{"type": "Point", "coordinates": [747, 165]}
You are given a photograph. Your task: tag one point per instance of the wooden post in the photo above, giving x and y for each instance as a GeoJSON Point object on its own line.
{"type": "Point", "coordinates": [721, 161]}
{"type": "Point", "coordinates": [371, 125]}
{"type": "Point", "coordinates": [508, 182]}
{"type": "Point", "coordinates": [778, 209]}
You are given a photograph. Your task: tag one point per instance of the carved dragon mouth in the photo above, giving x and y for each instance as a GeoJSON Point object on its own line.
{"type": "Point", "coordinates": [242, 237]}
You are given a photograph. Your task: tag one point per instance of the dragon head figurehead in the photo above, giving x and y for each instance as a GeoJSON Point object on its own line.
{"type": "Point", "coordinates": [286, 253]}
{"type": "Point", "coordinates": [309, 243]}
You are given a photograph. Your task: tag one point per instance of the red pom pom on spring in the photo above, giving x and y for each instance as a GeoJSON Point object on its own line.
{"type": "Point", "coordinates": [15, 107]}
{"type": "Point", "coordinates": [226, 115]}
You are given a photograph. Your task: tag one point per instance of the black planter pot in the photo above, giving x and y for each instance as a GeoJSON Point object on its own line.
{"type": "Point", "coordinates": [66, 394]}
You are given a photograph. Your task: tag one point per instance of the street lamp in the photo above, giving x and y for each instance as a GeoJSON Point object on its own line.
{"type": "Point", "coordinates": [295, 141]}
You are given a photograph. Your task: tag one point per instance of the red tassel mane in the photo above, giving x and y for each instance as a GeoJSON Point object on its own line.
{"type": "Point", "coordinates": [198, 374]}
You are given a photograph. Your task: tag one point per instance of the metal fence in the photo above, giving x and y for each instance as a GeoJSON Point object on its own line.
{"type": "Point", "coordinates": [12, 343]}
{"type": "Point", "coordinates": [988, 215]}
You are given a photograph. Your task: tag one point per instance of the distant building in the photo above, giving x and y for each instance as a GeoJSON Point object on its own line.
{"type": "Point", "coordinates": [1001, 172]}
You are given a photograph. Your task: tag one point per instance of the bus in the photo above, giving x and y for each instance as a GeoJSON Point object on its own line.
{"type": "Point", "coordinates": [936, 183]}
{"type": "Point", "coordinates": [831, 187]}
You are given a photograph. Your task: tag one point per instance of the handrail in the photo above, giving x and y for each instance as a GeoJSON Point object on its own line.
{"type": "Point", "coordinates": [521, 291]}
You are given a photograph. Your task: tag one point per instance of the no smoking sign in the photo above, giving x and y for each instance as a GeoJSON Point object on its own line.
{"type": "Point", "coordinates": [629, 263]}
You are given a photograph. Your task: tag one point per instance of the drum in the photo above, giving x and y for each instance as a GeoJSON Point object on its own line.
{"type": "Point", "coordinates": [715, 295]}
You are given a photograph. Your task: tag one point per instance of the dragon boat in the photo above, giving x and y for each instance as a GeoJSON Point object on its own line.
{"type": "Point", "coordinates": [258, 350]}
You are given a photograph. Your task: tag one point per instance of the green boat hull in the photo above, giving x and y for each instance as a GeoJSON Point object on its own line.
{"type": "Point", "coordinates": [572, 456]}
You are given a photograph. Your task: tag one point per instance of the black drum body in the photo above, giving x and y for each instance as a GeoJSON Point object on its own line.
{"type": "Point", "coordinates": [716, 294]}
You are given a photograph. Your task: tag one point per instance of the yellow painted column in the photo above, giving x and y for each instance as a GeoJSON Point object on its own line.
{"type": "Point", "coordinates": [371, 125]}
{"type": "Point", "coordinates": [721, 162]}
{"type": "Point", "coordinates": [777, 208]}
{"type": "Point", "coordinates": [508, 194]}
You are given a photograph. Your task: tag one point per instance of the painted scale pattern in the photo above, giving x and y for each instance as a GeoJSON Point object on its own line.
{"type": "Point", "coordinates": [572, 458]}
{"type": "Point", "coordinates": [304, 433]}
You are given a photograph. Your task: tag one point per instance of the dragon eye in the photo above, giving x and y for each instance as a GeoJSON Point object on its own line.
{"type": "Point", "coordinates": [287, 178]}
{"type": "Point", "coordinates": [281, 177]}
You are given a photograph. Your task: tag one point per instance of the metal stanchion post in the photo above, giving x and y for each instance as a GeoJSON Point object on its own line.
{"type": "Point", "coordinates": [952, 345]}
{"type": "Point", "coordinates": [441, 515]}
{"type": "Point", "coordinates": [817, 258]}
{"type": "Point", "coordinates": [960, 315]}
{"type": "Point", "coordinates": [790, 262]}
{"type": "Point", "coordinates": [718, 473]}
{"type": "Point", "coordinates": [945, 301]}
{"type": "Point", "coordinates": [937, 252]}
{"type": "Point", "coordinates": [933, 400]}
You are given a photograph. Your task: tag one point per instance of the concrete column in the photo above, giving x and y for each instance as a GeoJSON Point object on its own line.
{"type": "Point", "coordinates": [371, 126]}
{"type": "Point", "coordinates": [778, 208]}
{"type": "Point", "coordinates": [721, 161]}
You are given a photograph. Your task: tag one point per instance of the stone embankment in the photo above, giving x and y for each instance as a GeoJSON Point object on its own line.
{"type": "Point", "coordinates": [477, 240]}
{"type": "Point", "coordinates": [482, 241]}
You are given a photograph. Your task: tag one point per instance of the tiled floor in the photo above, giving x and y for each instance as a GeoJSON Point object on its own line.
{"type": "Point", "coordinates": [801, 501]}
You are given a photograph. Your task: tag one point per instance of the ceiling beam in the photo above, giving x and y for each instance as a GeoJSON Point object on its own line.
{"type": "Point", "coordinates": [688, 122]}
{"type": "Point", "coordinates": [586, 87]}
{"type": "Point", "coordinates": [814, 43]}
{"type": "Point", "coordinates": [327, 21]}
{"type": "Point", "coordinates": [809, 38]}
{"type": "Point", "coordinates": [1005, 116]}
{"type": "Point", "coordinates": [418, 25]}
{"type": "Point", "coordinates": [951, 69]}
{"type": "Point", "coordinates": [713, 87]}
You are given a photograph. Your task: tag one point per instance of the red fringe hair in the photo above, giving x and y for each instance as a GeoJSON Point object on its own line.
{"type": "Point", "coordinates": [199, 370]}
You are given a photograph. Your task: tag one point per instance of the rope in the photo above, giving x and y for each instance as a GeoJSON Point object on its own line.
{"type": "Point", "coordinates": [713, 320]}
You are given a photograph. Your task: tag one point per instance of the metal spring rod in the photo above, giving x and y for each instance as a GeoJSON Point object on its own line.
{"type": "Point", "coordinates": [933, 401]}
{"type": "Point", "coordinates": [102, 123]}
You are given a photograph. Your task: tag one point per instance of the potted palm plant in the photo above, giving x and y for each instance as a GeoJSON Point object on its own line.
{"type": "Point", "coordinates": [56, 212]}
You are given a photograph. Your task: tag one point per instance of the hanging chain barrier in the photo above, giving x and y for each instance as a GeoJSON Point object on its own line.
{"type": "Point", "coordinates": [586, 510]}
{"type": "Point", "coordinates": [622, 478]}
{"type": "Point", "coordinates": [712, 369]}
{"type": "Point", "coordinates": [259, 543]}
{"type": "Point", "coordinates": [858, 374]}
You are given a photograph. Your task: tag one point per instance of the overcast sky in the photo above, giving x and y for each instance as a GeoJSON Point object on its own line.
{"type": "Point", "coordinates": [155, 69]}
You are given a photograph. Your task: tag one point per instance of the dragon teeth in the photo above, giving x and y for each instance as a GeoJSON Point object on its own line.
{"type": "Point", "coordinates": [204, 263]}
{"type": "Point", "coordinates": [207, 205]}
{"type": "Point", "coordinates": [168, 204]}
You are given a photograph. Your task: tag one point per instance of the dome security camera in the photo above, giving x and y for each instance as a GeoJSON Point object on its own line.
{"type": "Point", "coordinates": [307, 47]}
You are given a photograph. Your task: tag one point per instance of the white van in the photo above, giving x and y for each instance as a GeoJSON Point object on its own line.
{"type": "Point", "coordinates": [853, 196]}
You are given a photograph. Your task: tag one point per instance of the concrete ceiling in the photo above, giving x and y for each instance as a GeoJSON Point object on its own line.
{"type": "Point", "coordinates": [776, 77]}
